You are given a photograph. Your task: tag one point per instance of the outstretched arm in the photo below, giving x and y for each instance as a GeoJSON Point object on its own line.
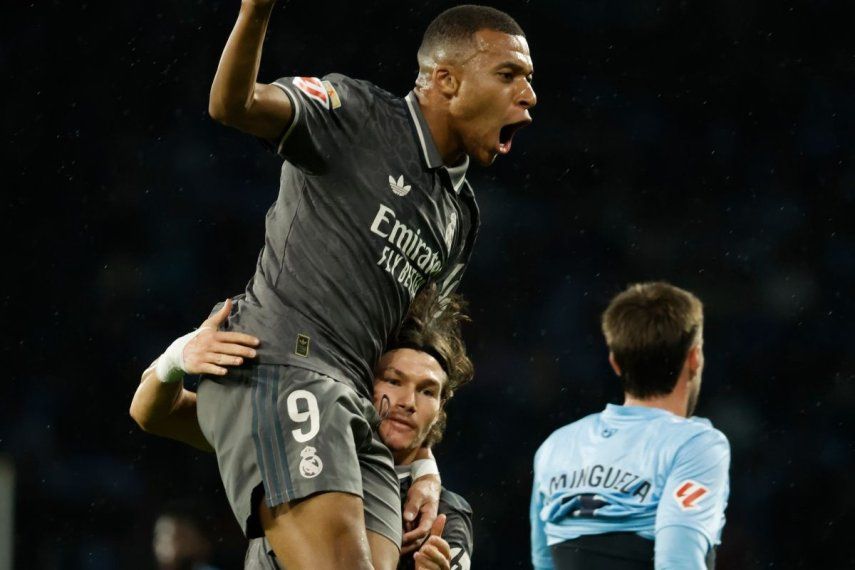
{"type": "Point", "coordinates": [236, 98]}
{"type": "Point", "coordinates": [161, 405]}
{"type": "Point", "coordinates": [167, 410]}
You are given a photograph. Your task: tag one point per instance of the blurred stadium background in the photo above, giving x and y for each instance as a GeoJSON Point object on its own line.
{"type": "Point", "coordinates": [709, 144]}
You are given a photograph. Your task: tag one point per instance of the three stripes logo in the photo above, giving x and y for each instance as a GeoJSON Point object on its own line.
{"type": "Point", "coordinates": [398, 186]}
{"type": "Point", "coordinates": [689, 493]}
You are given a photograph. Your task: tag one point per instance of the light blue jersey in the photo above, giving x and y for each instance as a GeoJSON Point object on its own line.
{"type": "Point", "coordinates": [628, 469]}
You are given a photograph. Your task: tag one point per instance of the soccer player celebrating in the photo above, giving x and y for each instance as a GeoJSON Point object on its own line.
{"type": "Point", "coordinates": [419, 372]}
{"type": "Point", "coordinates": [373, 204]}
{"type": "Point", "coordinates": [644, 484]}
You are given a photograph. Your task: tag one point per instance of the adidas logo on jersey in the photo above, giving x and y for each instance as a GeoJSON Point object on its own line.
{"type": "Point", "coordinates": [398, 186]}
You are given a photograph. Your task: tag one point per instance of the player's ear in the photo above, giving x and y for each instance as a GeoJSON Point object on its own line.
{"type": "Point", "coordinates": [694, 360]}
{"type": "Point", "coordinates": [614, 363]}
{"type": "Point", "coordinates": [445, 79]}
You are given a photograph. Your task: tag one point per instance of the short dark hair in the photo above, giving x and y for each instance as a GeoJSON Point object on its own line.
{"type": "Point", "coordinates": [434, 322]}
{"type": "Point", "coordinates": [649, 329]}
{"type": "Point", "coordinates": [460, 23]}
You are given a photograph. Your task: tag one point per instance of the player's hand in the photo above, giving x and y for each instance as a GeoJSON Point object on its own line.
{"type": "Point", "coordinates": [420, 511]}
{"type": "Point", "coordinates": [210, 351]}
{"type": "Point", "coordinates": [435, 553]}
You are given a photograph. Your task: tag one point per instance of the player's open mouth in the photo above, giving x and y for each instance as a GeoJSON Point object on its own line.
{"type": "Point", "coordinates": [506, 135]}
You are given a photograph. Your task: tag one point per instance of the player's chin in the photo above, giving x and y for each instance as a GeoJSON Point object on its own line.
{"type": "Point", "coordinates": [398, 442]}
{"type": "Point", "coordinates": [484, 156]}
{"type": "Point", "coordinates": [395, 435]}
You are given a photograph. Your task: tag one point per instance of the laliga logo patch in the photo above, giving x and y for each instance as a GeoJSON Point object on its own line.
{"type": "Point", "coordinates": [449, 230]}
{"type": "Point", "coordinates": [311, 465]}
{"type": "Point", "coordinates": [314, 88]}
{"type": "Point", "coordinates": [398, 186]}
{"type": "Point", "coordinates": [688, 493]}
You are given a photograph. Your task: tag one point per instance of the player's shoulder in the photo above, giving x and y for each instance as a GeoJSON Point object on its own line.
{"type": "Point", "coordinates": [352, 82]}
{"type": "Point", "coordinates": [351, 87]}
{"type": "Point", "coordinates": [697, 430]}
{"type": "Point", "coordinates": [697, 441]}
{"type": "Point", "coordinates": [336, 92]}
{"type": "Point", "coordinates": [450, 501]}
{"type": "Point", "coordinates": [342, 80]}
{"type": "Point", "coordinates": [570, 430]}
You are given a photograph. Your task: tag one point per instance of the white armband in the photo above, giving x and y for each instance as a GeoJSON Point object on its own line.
{"type": "Point", "coordinates": [170, 364]}
{"type": "Point", "coordinates": [422, 467]}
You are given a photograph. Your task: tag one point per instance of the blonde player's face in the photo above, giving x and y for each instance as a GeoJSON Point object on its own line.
{"type": "Point", "coordinates": [412, 382]}
{"type": "Point", "coordinates": [494, 95]}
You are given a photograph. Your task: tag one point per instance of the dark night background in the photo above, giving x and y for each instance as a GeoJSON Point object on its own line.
{"type": "Point", "coordinates": [709, 144]}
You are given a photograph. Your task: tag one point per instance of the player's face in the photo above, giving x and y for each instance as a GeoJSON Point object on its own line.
{"type": "Point", "coordinates": [494, 95]}
{"type": "Point", "coordinates": [412, 381]}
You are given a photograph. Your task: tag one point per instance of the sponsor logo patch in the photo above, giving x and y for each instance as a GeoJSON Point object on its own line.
{"type": "Point", "coordinates": [398, 186]}
{"type": "Point", "coordinates": [689, 493]}
{"type": "Point", "coordinates": [310, 464]}
{"type": "Point", "coordinates": [335, 101]}
{"type": "Point", "coordinates": [302, 347]}
{"type": "Point", "coordinates": [314, 88]}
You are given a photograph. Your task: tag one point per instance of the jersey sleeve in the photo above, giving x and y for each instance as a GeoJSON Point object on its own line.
{"type": "Point", "coordinates": [697, 487]}
{"type": "Point", "coordinates": [680, 548]}
{"type": "Point", "coordinates": [458, 534]}
{"type": "Point", "coordinates": [541, 557]}
{"type": "Point", "coordinates": [329, 114]}
{"type": "Point", "coordinates": [450, 281]}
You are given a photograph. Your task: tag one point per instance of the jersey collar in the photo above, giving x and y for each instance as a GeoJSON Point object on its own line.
{"type": "Point", "coordinates": [617, 411]}
{"type": "Point", "coordinates": [457, 174]}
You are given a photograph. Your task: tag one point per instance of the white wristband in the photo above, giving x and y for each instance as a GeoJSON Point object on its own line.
{"type": "Point", "coordinates": [170, 364]}
{"type": "Point", "coordinates": [422, 467]}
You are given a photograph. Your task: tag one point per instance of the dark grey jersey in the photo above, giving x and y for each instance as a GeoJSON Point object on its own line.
{"type": "Point", "coordinates": [366, 216]}
{"type": "Point", "coordinates": [458, 527]}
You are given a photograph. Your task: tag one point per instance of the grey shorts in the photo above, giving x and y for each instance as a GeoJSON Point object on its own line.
{"type": "Point", "coordinates": [292, 433]}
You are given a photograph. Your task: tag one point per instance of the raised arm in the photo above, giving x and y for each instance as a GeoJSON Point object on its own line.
{"type": "Point", "coordinates": [236, 98]}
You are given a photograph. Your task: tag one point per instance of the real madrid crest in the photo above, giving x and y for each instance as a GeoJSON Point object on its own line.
{"type": "Point", "coordinates": [311, 465]}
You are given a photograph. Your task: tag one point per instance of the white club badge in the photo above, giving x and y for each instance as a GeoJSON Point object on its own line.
{"type": "Point", "coordinates": [310, 464]}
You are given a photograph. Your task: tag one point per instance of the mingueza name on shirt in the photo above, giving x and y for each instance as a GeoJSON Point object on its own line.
{"type": "Point", "coordinates": [602, 477]}
{"type": "Point", "coordinates": [408, 259]}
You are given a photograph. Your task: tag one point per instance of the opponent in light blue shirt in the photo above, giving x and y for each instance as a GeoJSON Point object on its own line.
{"type": "Point", "coordinates": [638, 482]}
